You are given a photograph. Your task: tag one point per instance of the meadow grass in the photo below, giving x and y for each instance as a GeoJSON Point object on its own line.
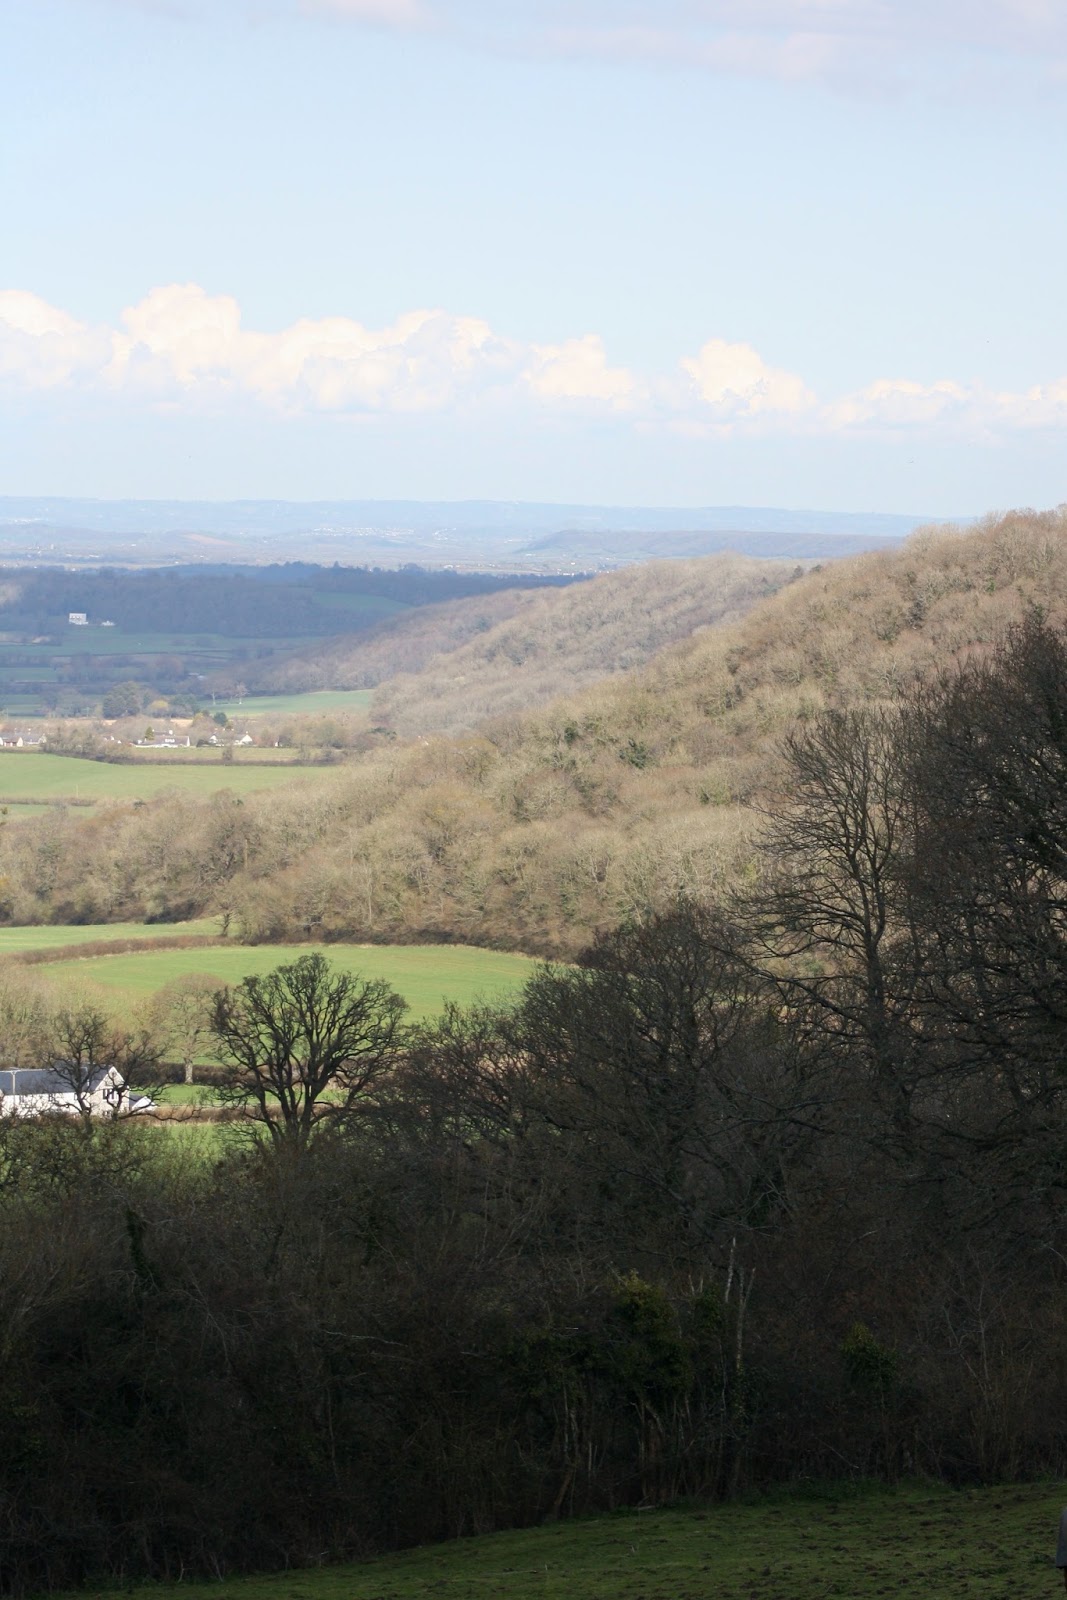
{"type": "Point", "coordinates": [315, 702]}
{"type": "Point", "coordinates": [28, 776]}
{"type": "Point", "coordinates": [915, 1543]}
{"type": "Point", "coordinates": [56, 936]}
{"type": "Point", "coordinates": [426, 975]}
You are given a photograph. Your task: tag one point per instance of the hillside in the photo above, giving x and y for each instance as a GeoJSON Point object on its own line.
{"type": "Point", "coordinates": [401, 644]}
{"type": "Point", "coordinates": [545, 825]}
{"type": "Point", "coordinates": [557, 641]}
{"type": "Point", "coordinates": [447, 667]}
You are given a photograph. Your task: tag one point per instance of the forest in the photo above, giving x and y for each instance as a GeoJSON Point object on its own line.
{"type": "Point", "coordinates": [767, 1186]}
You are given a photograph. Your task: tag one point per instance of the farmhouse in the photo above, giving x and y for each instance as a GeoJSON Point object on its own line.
{"type": "Point", "coordinates": [67, 1091]}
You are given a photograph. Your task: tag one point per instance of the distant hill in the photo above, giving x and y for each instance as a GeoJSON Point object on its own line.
{"type": "Point", "coordinates": [613, 547]}
{"type": "Point", "coordinates": [556, 642]}
{"type": "Point", "coordinates": [448, 667]}
{"type": "Point", "coordinates": [544, 825]}
{"type": "Point", "coordinates": [495, 533]}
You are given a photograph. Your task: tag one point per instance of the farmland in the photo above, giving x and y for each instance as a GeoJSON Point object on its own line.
{"type": "Point", "coordinates": [56, 936]}
{"type": "Point", "coordinates": [320, 702]}
{"type": "Point", "coordinates": [917, 1543]}
{"type": "Point", "coordinates": [179, 633]}
{"type": "Point", "coordinates": [426, 975]}
{"type": "Point", "coordinates": [28, 777]}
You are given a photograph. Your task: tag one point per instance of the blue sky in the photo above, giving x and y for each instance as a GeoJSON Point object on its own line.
{"type": "Point", "coordinates": [796, 252]}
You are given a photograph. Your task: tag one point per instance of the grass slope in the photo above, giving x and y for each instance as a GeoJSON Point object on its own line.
{"type": "Point", "coordinates": [426, 975]}
{"type": "Point", "coordinates": [57, 936]}
{"type": "Point", "coordinates": [313, 703]}
{"type": "Point", "coordinates": [26, 777]}
{"type": "Point", "coordinates": [915, 1544]}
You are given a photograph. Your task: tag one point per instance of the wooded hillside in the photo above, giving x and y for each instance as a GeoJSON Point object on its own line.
{"type": "Point", "coordinates": [542, 827]}
{"type": "Point", "coordinates": [445, 668]}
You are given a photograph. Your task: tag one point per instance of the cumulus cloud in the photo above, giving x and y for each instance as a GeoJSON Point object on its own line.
{"type": "Point", "coordinates": [579, 370]}
{"type": "Point", "coordinates": [899, 402]}
{"type": "Point", "coordinates": [182, 347]}
{"type": "Point", "coordinates": [42, 347]}
{"type": "Point", "coordinates": [181, 339]}
{"type": "Point", "coordinates": [736, 383]}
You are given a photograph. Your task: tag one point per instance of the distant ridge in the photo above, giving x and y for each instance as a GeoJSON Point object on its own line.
{"type": "Point", "coordinates": [492, 534]}
{"type": "Point", "coordinates": [515, 517]}
{"type": "Point", "coordinates": [621, 547]}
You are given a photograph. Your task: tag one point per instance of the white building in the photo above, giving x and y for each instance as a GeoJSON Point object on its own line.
{"type": "Point", "coordinates": [65, 1091]}
{"type": "Point", "coordinates": [78, 619]}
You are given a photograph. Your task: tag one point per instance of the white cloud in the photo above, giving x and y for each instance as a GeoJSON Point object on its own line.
{"type": "Point", "coordinates": [899, 402]}
{"type": "Point", "coordinates": [579, 370]}
{"type": "Point", "coordinates": [44, 348]}
{"type": "Point", "coordinates": [181, 339]}
{"type": "Point", "coordinates": [736, 383]}
{"type": "Point", "coordinates": [181, 347]}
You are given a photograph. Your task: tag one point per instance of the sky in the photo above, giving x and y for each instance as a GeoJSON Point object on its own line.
{"type": "Point", "coordinates": [662, 252]}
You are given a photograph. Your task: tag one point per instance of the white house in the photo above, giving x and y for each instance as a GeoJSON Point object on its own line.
{"type": "Point", "coordinates": [64, 1090]}
{"type": "Point", "coordinates": [78, 619]}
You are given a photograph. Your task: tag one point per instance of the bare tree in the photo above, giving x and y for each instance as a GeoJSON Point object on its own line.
{"type": "Point", "coordinates": [832, 921]}
{"type": "Point", "coordinates": [95, 1060]}
{"type": "Point", "coordinates": [305, 1044]}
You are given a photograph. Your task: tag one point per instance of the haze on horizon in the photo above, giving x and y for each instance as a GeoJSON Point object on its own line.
{"type": "Point", "coordinates": [786, 252]}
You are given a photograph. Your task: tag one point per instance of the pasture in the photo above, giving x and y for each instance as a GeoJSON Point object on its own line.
{"type": "Point", "coordinates": [428, 976]}
{"type": "Point", "coordinates": [53, 936]}
{"type": "Point", "coordinates": [315, 703]}
{"type": "Point", "coordinates": [28, 777]}
{"type": "Point", "coordinates": [916, 1543]}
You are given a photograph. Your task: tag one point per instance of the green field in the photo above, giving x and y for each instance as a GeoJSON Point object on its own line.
{"type": "Point", "coordinates": [426, 975]}
{"type": "Point", "coordinates": [28, 776]}
{"type": "Point", "coordinates": [315, 703]}
{"type": "Point", "coordinates": [53, 937]}
{"type": "Point", "coordinates": [916, 1544]}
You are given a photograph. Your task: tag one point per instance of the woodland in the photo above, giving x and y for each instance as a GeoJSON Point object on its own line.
{"type": "Point", "coordinates": [759, 1180]}
{"type": "Point", "coordinates": [536, 829]}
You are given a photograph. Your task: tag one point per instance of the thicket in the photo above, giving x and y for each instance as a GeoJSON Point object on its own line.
{"type": "Point", "coordinates": [761, 1190]}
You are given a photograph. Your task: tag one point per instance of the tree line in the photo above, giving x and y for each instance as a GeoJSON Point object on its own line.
{"type": "Point", "coordinates": [762, 1189]}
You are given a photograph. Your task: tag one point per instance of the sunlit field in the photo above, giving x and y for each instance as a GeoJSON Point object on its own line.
{"type": "Point", "coordinates": [427, 976]}
{"type": "Point", "coordinates": [27, 777]}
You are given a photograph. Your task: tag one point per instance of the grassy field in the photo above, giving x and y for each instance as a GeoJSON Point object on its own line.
{"type": "Point", "coordinates": [426, 975]}
{"type": "Point", "coordinates": [55, 937]}
{"type": "Point", "coordinates": [314, 703]}
{"type": "Point", "coordinates": [916, 1544]}
{"type": "Point", "coordinates": [26, 777]}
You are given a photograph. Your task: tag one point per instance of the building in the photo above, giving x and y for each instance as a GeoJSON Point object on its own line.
{"type": "Point", "coordinates": [64, 1090]}
{"type": "Point", "coordinates": [78, 619]}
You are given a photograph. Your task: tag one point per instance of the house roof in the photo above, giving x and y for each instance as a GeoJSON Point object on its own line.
{"type": "Point", "coordinates": [55, 1080]}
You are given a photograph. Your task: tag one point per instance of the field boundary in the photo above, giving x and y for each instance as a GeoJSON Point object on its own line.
{"type": "Point", "coordinates": [46, 800]}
